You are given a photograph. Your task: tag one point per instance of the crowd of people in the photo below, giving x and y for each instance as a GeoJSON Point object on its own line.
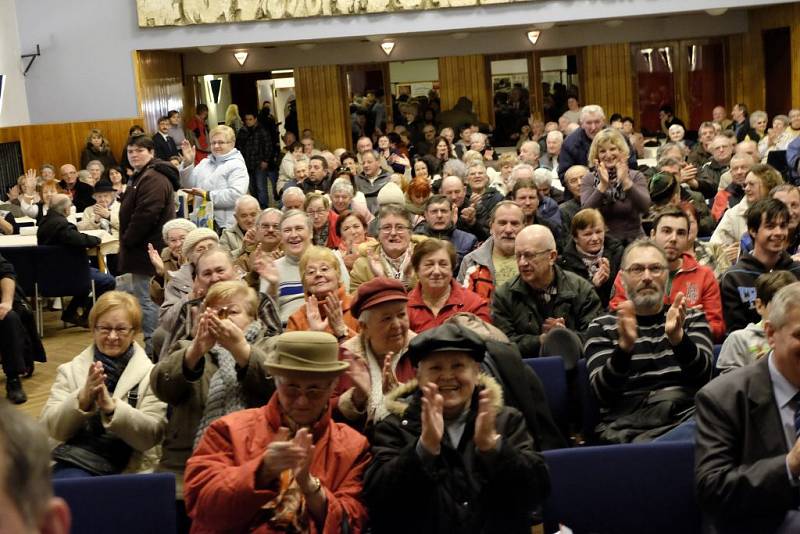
{"type": "Point", "coordinates": [349, 335]}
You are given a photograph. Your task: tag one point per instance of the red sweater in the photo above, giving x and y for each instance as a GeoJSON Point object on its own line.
{"type": "Point", "coordinates": [699, 287]}
{"type": "Point", "coordinates": [421, 317]}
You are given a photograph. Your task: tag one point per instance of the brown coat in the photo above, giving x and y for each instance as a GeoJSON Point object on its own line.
{"type": "Point", "coordinates": [148, 203]}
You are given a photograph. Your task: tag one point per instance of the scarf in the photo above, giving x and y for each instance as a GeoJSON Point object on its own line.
{"type": "Point", "coordinates": [395, 269]}
{"type": "Point", "coordinates": [615, 192]}
{"type": "Point", "coordinates": [225, 393]}
{"type": "Point", "coordinates": [376, 409]}
{"type": "Point", "coordinates": [590, 261]}
{"type": "Point", "coordinates": [113, 367]}
{"type": "Point", "coordinates": [321, 237]}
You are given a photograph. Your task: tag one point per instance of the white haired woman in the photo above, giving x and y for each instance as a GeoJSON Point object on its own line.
{"type": "Point", "coordinates": [221, 177]}
{"type": "Point", "coordinates": [170, 258]}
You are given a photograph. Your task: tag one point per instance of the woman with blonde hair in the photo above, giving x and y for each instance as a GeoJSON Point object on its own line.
{"type": "Point", "coordinates": [220, 371]}
{"type": "Point", "coordinates": [221, 177]}
{"type": "Point", "coordinates": [97, 148]}
{"type": "Point", "coordinates": [620, 193]}
{"type": "Point", "coordinates": [101, 407]}
{"type": "Point", "coordinates": [232, 118]}
{"type": "Point", "coordinates": [327, 307]}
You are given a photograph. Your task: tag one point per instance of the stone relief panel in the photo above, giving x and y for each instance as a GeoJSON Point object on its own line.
{"type": "Point", "coordinates": [154, 13]}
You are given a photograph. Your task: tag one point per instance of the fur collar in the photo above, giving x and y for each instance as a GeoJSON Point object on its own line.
{"type": "Point", "coordinates": [398, 400]}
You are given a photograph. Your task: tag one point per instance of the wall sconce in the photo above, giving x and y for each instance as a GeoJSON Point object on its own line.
{"type": "Point", "coordinates": [387, 47]}
{"type": "Point", "coordinates": [533, 36]}
{"type": "Point", "coordinates": [647, 54]}
{"type": "Point", "coordinates": [241, 57]}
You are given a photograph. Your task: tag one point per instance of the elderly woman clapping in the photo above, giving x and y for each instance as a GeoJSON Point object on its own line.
{"type": "Point", "coordinates": [101, 407]}
{"type": "Point", "coordinates": [170, 258]}
{"type": "Point", "coordinates": [218, 372]}
{"type": "Point", "coordinates": [450, 451]}
{"type": "Point", "coordinates": [327, 306]}
{"type": "Point", "coordinates": [377, 353]}
{"type": "Point", "coordinates": [221, 177]}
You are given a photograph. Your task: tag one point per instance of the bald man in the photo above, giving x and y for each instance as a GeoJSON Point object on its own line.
{"type": "Point", "coordinates": [245, 211]}
{"type": "Point", "coordinates": [79, 192]}
{"type": "Point", "coordinates": [55, 229]}
{"type": "Point", "coordinates": [544, 309]}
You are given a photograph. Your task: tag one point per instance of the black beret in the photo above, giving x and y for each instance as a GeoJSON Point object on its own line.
{"type": "Point", "coordinates": [447, 337]}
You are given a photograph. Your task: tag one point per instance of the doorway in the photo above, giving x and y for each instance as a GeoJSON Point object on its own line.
{"type": "Point", "coordinates": [777, 70]}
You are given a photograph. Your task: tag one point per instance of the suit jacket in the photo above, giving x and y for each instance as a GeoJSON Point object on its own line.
{"type": "Point", "coordinates": [740, 457]}
{"type": "Point", "coordinates": [55, 229]}
{"type": "Point", "coordinates": [164, 148]}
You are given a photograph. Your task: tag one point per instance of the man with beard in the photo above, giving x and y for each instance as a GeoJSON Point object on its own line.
{"type": "Point", "coordinates": [647, 361]}
{"type": "Point", "coordinates": [438, 223]}
{"type": "Point", "coordinates": [686, 277]}
{"type": "Point", "coordinates": [493, 263]}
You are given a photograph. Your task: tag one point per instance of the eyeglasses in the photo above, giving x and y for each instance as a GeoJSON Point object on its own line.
{"type": "Point", "coordinates": [219, 143]}
{"type": "Point", "coordinates": [655, 269]}
{"type": "Point", "coordinates": [266, 227]}
{"type": "Point", "coordinates": [317, 213]}
{"type": "Point", "coordinates": [531, 256]}
{"type": "Point", "coordinates": [313, 394]}
{"type": "Point", "coordinates": [121, 331]}
{"type": "Point", "coordinates": [398, 229]}
{"type": "Point", "coordinates": [322, 270]}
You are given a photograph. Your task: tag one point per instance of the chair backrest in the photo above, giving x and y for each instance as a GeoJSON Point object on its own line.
{"type": "Point", "coordinates": [120, 504]}
{"type": "Point", "coordinates": [590, 411]}
{"type": "Point", "coordinates": [61, 271]}
{"type": "Point", "coordinates": [550, 370]}
{"type": "Point", "coordinates": [22, 258]}
{"type": "Point", "coordinates": [714, 358]}
{"type": "Point", "coordinates": [777, 158]}
{"type": "Point", "coordinates": [623, 488]}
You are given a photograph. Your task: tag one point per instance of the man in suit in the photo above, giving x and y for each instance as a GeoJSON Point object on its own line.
{"type": "Point", "coordinates": [55, 229]}
{"type": "Point", "coordinates": [747, 459]}
{"type": "Point", "coordinates": [164, 143]}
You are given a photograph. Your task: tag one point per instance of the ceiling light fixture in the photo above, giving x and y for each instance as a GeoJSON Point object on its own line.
{"type": "Point", "coordinates": [209, 49]}
{"type": "Point", "coordinates": [613, 23]}
{"type": "Point", "coordinates": [387, 47]}
{"type": "Point", "coordinates": [306, 46]}
{"type": "Point", "coordinates": [545, 25]}
{"type": "Point", "coordinates": [241, 57]}
{"type": "Point", "coordinates": [533, 36]}
{"type": "Point", "coordinates": [459, 35]}
{"type": "Point", "coordinates": [716, 12]}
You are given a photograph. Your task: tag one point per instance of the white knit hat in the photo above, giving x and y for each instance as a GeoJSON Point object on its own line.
{"type": "Point", "coordinates": [177, 224]}
{"type": "Point", "coordinates": [194, 237]}
{"type": "Point", "coordinates": [391, 194]}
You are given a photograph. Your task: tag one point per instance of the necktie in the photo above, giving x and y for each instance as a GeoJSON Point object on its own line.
{"type": "Point", "coordinates": [796, 404]}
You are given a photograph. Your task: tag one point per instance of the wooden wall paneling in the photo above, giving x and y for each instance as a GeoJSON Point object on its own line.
{"type": "Point", "coordinates": [609, 78]}
{"type": "Point", "coordinates": [322, 104]}
{"type": "Point", "coordinates": [159, 84]}
{"type": "Point", "coordinates": [466, 76]}
{"type": "Point", "coordinates": [62, 143]}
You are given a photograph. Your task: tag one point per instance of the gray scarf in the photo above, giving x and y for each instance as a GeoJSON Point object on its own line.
{"type": "Point", "coordinates": [225, 393]}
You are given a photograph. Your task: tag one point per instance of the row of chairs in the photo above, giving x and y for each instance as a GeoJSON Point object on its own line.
{"type": "Point", "coordinates": [608, 489]}
{"type": "Point", "coordinates": [49, 271]}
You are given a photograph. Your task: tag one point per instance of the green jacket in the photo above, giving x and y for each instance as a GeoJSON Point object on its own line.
{"type": "Point", "coordinates": [514, 309]}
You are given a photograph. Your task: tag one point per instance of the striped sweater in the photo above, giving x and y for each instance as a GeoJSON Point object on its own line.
{"type": "Point", "coordinates": [621, 381]}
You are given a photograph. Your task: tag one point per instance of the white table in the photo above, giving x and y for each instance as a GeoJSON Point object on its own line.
{"type": "Point", "coordinates": [108, 244]}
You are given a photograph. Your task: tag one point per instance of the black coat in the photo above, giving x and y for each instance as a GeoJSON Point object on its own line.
{"type": "Point", "coordinates": [460, 490]}
{"type": "Point", "coordinates": [34, 350]}
{"type": "Point", "coordinates": [570, 260]}
{"type": "Point", "coordinates": [55, 229]}
{"type": "Point", "coordinates": [148, 203]}
{"type": "Point", "coordinates": [81, 194]}
{"type": "Point", "coordinates": [164, 148]}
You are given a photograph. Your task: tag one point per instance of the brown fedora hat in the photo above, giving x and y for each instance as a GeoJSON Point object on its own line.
{"type": "Point", "coordinates": [306, 352]}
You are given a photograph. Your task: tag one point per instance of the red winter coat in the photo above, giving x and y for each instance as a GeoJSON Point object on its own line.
{"type": "Point", "coordinates": [699, 287]}
{"type": "Point", "coordinates": [219, 482]}
{"type": "Point", "coordinates": [421, 317]}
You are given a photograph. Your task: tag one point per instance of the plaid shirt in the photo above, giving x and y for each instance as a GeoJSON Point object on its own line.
{"type": "Point", "coordinates": [255, 146]}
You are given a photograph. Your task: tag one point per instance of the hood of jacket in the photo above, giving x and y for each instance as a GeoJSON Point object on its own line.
{"type": "Point", "coordinates": [167, 169]}
{"type": "Point", "coordinates": [224, 158]}
{"type": "Point", "coordinates": [483, 255]}
{"type": "Point", "coordinates": [399, 399]}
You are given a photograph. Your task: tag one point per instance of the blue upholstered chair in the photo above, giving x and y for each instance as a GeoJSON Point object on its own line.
{"type": "Point", "coordinates": [622, 489]}
{"type": "Point", "coordinates": [120, 504]}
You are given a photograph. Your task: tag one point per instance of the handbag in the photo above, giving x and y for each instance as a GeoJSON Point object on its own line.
{"type": "Point", "coordinates": [203, 213]}
{"type": "Point", "coordinates": [95, 449]}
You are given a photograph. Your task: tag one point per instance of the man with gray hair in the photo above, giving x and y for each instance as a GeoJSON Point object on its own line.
{"type": "Point", "coordinates": [56, 230]}
{"type": "Point", "coordinates": [747, 453]}
{"type": "Point", "coordinates": [26, 493]}
{"type": "Point", "coordinates": [554, 141]}
{"type": "Point", "coordinates": [372, 179]}
{"type": "Point", "coordinates": [293, 198]}
{"type": "Point", "coordinates": [245, 211]}
{"type": "Point", "coordinates": [647, 361]}
{"type": "Point", "coordinates": [575, 150]}
{"type": "Point", "coordinates": [529, 152]}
